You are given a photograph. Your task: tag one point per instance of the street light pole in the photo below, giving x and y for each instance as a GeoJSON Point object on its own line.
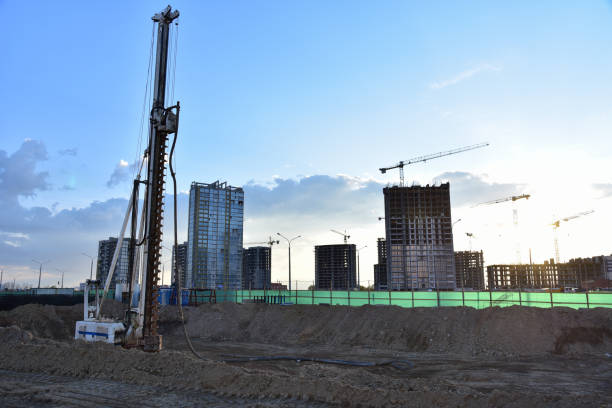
{"type": "Point", "coordinates": [40, 264]}
{"type": "Point", "coordinates": [289, 243]}
{"type": "Point", "coordinates": [358, 276]}
{"type": "Point", "coordinates": [91, 267]}
{"type": "Point", "coordinates": [62, 271]}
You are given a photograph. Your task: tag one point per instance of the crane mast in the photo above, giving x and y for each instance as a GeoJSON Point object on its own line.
{"type": "Point", "coordinates": [419, 159]}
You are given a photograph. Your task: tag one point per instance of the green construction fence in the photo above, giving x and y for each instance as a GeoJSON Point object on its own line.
{"type": "Point", "coordinates": [477, 300]}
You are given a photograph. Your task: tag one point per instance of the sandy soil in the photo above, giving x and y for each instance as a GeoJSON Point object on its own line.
{"type": "Point", "coordinates": [461, 357]}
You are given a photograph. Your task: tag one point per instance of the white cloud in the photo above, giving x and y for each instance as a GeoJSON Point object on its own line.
{"type": "Point", "coordinates": [121, 173]}
{"type": "Point", "coordinates": [463, 76]}
{"type": "Point", "coordinates": [19, 235]}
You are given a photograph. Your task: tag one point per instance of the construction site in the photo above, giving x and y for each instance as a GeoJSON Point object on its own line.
{"type": "Point", "coordinates": [285, 356]}
{"type": "Point", "coordinates": [438, 327]}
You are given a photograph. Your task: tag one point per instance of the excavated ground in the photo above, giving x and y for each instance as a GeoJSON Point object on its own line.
{"type": "Point", "coordinates": [460, 357]}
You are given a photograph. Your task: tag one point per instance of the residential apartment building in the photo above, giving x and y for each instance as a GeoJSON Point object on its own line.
{"type": "Point", "coordinates": [214, 246]}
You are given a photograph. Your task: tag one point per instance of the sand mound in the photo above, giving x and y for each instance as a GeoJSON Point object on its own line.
{"type": "Point", "coordinates": [496, 331]}
{"type": "Point", "coordinates": [53, 322]}
{"type": "Point", "coordinates": [14, 335]}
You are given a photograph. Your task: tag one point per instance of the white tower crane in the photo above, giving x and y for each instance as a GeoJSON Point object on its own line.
{"type": "Point", "coordinates": [403, 163]}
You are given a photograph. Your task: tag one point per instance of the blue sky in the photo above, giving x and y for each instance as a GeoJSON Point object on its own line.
{"type": "Point", "coordinates": [274, 93]}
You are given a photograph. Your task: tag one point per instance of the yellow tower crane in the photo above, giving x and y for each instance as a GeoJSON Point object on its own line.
{"type": "Point", "coordinates": [557, 224]}
{"type": "Point", "coordinates": [514, 217]}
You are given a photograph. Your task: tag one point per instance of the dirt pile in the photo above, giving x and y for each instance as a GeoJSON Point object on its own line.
{"type": "Point", "coordinates": [338, 386]}
{"type": "Point", "coordinates": [497, 331]}
{"type": "Point", "coordinates": [14, 335]}
{"type": "Point", "coordinates": [53, 322]}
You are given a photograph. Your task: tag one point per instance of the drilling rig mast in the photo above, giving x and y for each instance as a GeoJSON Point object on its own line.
{"type": "Point", "coordinates": [162, 123]}
{"type": "Point", "coordinates": [139, 329]}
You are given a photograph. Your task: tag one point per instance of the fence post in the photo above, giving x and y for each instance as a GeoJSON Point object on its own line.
{"type": "Point", "coordinates": [462, 296]}
{"type": "Point", "coordinates": [331, 302]}
{"type": "Point", "coordinates": [412, 293]}
{"type": "Point", "coordinates": [551, 297]}
{"type": "Point", "coordinates": [368, 295]}
{"type": "Point", "coordinates": [438, 296]}
{"type": "Point", "coordinates": [296, 292]}
{"type": "Point", "coordinates": [520, 298]}
{"type": "Point", "coordinates": [490, 299]}
{"type": "Point", "coordinates": [312, 293]}
{"type": "Point", "coordinates": [348, 293]}
{"type": "Point", "coordinates": [389, 297]}
{"type": "Point", "coordinates": [587, 299]}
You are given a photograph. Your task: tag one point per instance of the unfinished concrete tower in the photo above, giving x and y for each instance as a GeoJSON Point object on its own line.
{"type": "Point", "coordinates": [380, 269]}
{"type": "Point", "coordinates": [419, 238]}
{"type": "Point", "coordinates": [335, 266]}
{"type": "Point", "coordinates": [256, 267]}
{"type": "Point", "coordinates": [470, 270]}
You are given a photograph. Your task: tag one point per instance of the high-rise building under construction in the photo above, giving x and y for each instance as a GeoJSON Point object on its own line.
{"type": "Point", "coordinates": [380, 269]}
{"type": "Point", "coordinates": [106, 251]}
{"type": "Point", "coordinates": [179, 263]}
{"type": "Point", "coordinates": [335, 266]}
{"type": "Point", "coordinates": [214, 249]}
{"type": "Point", "coordinates": [470, 270]}
{"type": "Point", "coordinates": [419, 237]}
{"type": "Point", "coordinates": [256, 267]}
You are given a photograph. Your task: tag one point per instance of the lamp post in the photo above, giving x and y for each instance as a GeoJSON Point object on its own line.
{"type": "Point", "coordinates": [91, 267]}
{"type": "Point", "coordinates": [289, 243]}
{"type": "Point", "coordinates": [40, 264]}
{"type": "Point", "coordinates": [60, 270]}
{"type": "Point", "coordinates": [358, 276]}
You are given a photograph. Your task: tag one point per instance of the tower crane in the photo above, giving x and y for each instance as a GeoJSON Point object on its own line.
{"type": "Point", "coordinates": [419, 159]}
{"type": "Point", "coordinates": [556, 224]}
{"type": "Point", "coordinates": [269, 242]}
{"type": "Point", "coordinates": [471, 236]}
{"type": "Point", "coordinates": [503, 200]}
{"type": "Point", "coordinates": [344, 235]}
{"type": "Point", "coordinates": [514, 217]}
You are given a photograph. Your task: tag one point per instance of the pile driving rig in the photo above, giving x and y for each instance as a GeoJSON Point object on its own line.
{"type": "Point", "coordinates": [139, 327]}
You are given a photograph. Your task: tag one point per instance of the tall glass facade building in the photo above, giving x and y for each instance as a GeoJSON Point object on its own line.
{"type": "Point", "coordinates": [214, 249]}
{"type": "Point", "coordinates": [106, 250]}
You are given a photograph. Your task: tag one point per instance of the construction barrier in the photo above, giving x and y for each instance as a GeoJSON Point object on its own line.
{"type": "Point", "coordinates": [477, 300]}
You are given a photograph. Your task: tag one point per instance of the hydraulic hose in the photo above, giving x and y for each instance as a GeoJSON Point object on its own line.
{"type": "Point", "coordinates": [179, 287]}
